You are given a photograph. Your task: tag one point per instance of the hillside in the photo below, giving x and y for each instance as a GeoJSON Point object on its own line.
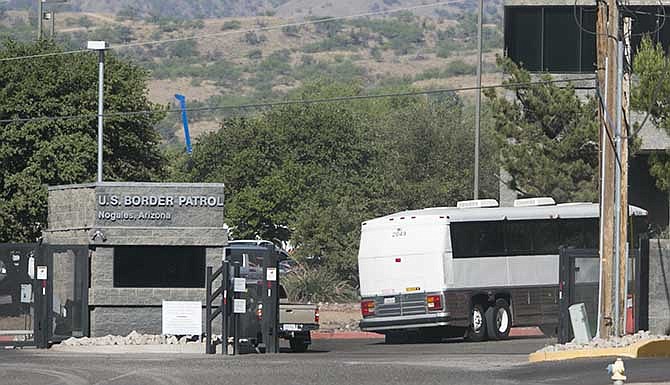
{"type": "Point", "coordinates": [238, 8]}
{"type": "Point", "coordinates": [245, 60]}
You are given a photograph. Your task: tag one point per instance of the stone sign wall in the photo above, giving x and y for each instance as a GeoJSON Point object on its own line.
{"type": "Point", "coordinates": [159, 206]}
{"type": "Point", "coordinates": [116, 213]}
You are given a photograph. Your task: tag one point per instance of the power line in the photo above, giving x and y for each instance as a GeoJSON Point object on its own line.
{"type": "Point", "coordinates": [294, 102]}
{"type": "Point", "coordinates": [244, 31]}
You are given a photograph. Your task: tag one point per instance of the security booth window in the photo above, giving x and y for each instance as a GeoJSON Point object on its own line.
{"type": "Point", "coordinates": [159, 266]}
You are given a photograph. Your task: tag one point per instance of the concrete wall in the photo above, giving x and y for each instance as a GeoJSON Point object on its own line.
{"type": "Point", "coordinates": [659, 286]}
{"type": "Point", "coordinates": [122, 320]}
{"type": "Point", "coordinates": [122, 310]}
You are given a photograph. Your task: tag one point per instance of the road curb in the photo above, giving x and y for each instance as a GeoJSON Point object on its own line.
{"type": "Point", "coordinates": [525, 332]}
{"type": "Point", "coordinates": [353, 335]}
{"type": "Point", "coordinates": [650, 348]}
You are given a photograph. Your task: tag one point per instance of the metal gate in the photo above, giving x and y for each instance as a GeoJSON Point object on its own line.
{"type": "Point", "coordinates": [66, 291]}
{"type": "Point", "coordinates": [19, 307]}
{"type": "Point", "coordinates": [579, 271]}
{"type": "Point", "coordinates": [249, 303]}
{"type": "Point", "coordinates": [43, 293]}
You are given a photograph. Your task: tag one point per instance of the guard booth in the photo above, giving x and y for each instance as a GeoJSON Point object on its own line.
{"type": "Point", "coordinates": [249, 298]}
{"type": "Point", "coordinates": [579, 277]}
{"type": "Point", "coordinates": [43, 294]}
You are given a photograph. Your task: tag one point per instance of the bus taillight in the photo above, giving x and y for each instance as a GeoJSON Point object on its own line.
{"type": "Point", "coordinates": [434, 302]}
{"type": "Point", "coordinates": [367, 308]}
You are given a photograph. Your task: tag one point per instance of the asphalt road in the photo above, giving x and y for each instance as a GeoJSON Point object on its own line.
{"type": "Point", "coordinates": [329, 362]}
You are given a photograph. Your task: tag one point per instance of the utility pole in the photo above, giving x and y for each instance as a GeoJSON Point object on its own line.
{"type": "Point", "coordinates": [39, 19]}
{"type": "Point", "coordinates": [478, 95]}
{"type": "Point", "coordinates": [606, 27]}
{"type": "Point", "coordinates": [612, 35]}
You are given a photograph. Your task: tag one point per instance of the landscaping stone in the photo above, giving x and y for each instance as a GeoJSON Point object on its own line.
{"type": "Point", "coordinates": [600, 343]}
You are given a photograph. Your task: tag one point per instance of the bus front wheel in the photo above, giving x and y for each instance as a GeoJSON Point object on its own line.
{"type": "Point", "coordinates": [498, 320]}
{"type": "Point", "coordinates": [477, 330]}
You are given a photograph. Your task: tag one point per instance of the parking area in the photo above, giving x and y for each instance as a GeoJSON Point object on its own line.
{"type": "Point", "coordinates": [328, 362]}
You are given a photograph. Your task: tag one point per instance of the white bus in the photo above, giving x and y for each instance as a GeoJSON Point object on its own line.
{"type": "Point", "coordinates": [475, 270]}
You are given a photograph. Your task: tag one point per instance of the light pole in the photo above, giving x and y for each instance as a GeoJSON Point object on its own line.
{"type": "Point", "coordinates": [478, 97]}
{"type": "Point", "coordinates": [39, 19]}
{"type": "Point", "coordinates": [41, 16]}
{"type": "Point", "coordinates": [99, 46]}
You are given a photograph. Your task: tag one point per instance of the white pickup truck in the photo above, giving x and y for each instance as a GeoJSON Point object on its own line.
{"type": "Point", "coordinates": [296, 321]}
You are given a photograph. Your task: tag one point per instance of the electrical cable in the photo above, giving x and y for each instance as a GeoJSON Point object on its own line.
{"type": "Point", "coordinates": [293, 102]}
{"type": "Point", "coordinates": [581, 27]}
{"type": "Point", "coordinates": [245, 31]}
{"type": "Point", "coordinates": [658, 28]}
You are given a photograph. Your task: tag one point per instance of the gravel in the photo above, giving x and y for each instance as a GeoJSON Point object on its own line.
{"type": "Point", "coordinates": [599, 343]}
{"type": "Point", "coordinates": [134, 338]}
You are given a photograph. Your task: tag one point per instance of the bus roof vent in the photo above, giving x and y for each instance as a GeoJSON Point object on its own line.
{"type": "Point", "coordinates": [477, 203]}
{"type": "Point", "coordinates": [529, 202]}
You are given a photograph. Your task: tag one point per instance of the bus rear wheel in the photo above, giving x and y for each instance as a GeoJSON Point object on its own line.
{"type": "Point", "coordinates": [498, 320]}
{"type": "Point", "coordinates": [477, 330]}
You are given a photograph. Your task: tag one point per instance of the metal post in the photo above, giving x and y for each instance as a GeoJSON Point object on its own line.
{"type": "Point", "coordinates": [225, 305]}
{"type": "Point", "coordinates": [236, 316]}
{"type": "Point", "coordinates": [478, 97]}
{"type": "Point", "coordinates": [101, 75]}
{"type": "Point", "coordinates": [208, 311]}
{"type": "Point", "coordinates": [617, 190]}
{"type": "Point", "coordinates": [39, 19]}
{"type": "Point", "coordinates": [53, 25]}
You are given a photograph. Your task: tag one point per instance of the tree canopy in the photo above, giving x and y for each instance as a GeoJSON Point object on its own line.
{"type": "Point", "coordinates": [39, 152]}
{"type": "Point", "coordinates": [311, 173]}
{"type": "Point", "coordinates": [651, 93]}
{"type": "Point", "coordinates": [548, 138]}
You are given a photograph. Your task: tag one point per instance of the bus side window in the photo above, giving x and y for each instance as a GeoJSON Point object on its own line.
{"type": "Point", "coordinates": [545, 237]}
{"type": "Point", "coordinates": [580, 233]}
{"type": "Point", "coordinates": [518, 237]}
{"type": "Point", "coordinates": [477, 239]}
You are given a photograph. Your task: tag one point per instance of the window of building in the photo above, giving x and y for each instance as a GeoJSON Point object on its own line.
{"type": "Point", "coordinates": [561, 46]}
{"type": "Point", "coordinates": [549, 38]}
{"type": "Point", "coordinates": [159, 266]}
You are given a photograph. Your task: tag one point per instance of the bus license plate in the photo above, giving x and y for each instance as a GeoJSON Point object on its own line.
{"type": "Point", "coordinates": [291, 327]}
{"type": "Point", "coordinates": [389, 301]}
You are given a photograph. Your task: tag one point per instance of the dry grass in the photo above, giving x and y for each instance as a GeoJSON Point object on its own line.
{"type": "Point", "coordinates": [162, 91]}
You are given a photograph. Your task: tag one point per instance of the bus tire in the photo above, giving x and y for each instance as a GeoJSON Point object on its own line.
{"type": "Point", "coordinates": [477, 329]}
{"type": "Point", "coordinates": [498, 320]}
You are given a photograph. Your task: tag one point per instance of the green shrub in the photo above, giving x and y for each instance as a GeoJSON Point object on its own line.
{"type": "Point", "coordinates": [314, 284]}
{"type": "Point", "coordinates": [255, 54]}
{"type": "Point", "coordinates": [459, 67]}
{"type": "Point", "coordinates": [232, 24]}
{"type": "Point", "coordinates": [252, 38]}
